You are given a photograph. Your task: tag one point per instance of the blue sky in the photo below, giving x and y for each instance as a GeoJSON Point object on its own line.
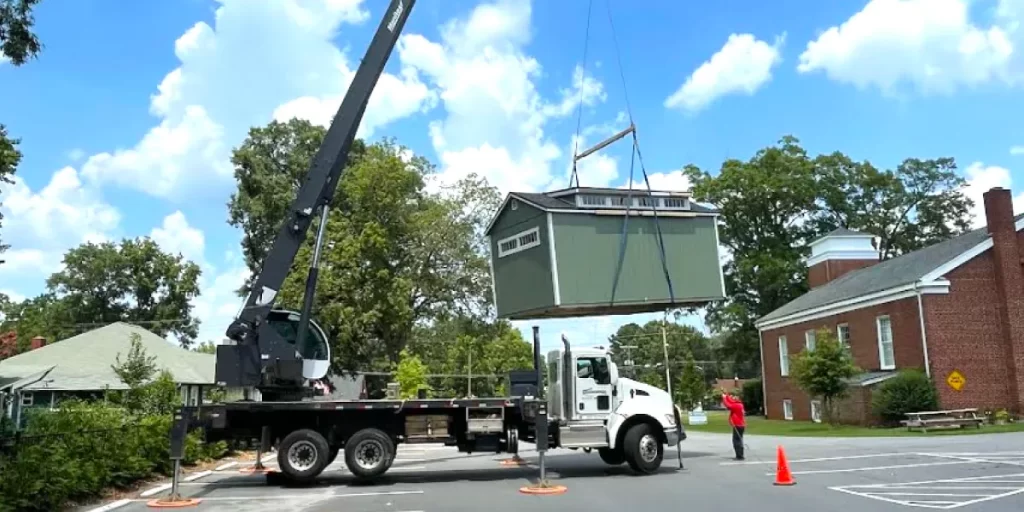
{"type": "Point", "coordinates": [129, 115]}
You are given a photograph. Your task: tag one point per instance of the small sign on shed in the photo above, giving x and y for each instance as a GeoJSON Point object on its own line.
{"type": "Point", "coordinates": [956, 380]}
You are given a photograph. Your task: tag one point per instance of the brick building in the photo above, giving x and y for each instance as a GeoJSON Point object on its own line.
{"type": "Point", "coordinates": [956, 306]}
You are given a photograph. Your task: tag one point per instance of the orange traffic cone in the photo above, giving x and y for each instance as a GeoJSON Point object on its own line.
{"type": "Point", "coordinates": [782, 474]}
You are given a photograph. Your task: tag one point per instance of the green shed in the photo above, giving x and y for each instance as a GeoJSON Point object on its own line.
{"type": "Point", "coordinates": [555, 254]}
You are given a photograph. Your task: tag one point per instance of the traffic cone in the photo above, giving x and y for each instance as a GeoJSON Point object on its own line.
{"type": "Point", "coordinates": [782, 474]}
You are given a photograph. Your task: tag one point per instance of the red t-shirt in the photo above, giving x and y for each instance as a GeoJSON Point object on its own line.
{"type": "Point", "coordinates": [735, 411]}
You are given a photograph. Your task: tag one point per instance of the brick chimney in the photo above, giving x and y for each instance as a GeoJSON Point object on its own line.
{"type": "Point", "coordinates": [37, 342]}
{"type": "Point", "coordinates": [1009, 284]}
{"type": "Point", "coordinates": [837, 253]}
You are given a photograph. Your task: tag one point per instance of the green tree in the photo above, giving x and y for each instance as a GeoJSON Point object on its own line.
{"type": "Point", "coordinates": [684, 342]}
{"type": "Point", "coordinates": [690, 386]}
{"type": "Point", "coordinates": [44, 315]}
{"type": "Point", "coordinates": [270, 166]}
{"type": "Point", "coordinates": [17, 40]}
{"type": "Point", "coordinates": [823, 371]}
{"type": "Point", "coordinates": [411, 375]}
{"type": "Point", "coordinates": [206, 347]}
{"type": "Point", "coordinates": [133, 281]}
{"type": "Point", "coordinates": [775, 203]}
{"type": "Point", "coordinates": [151, 391]}
{"type": "Point", "coordinates": [10, 157]}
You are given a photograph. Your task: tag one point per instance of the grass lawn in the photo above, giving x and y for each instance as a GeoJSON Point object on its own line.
{"type": "Point", "coordinates": [718, 421]}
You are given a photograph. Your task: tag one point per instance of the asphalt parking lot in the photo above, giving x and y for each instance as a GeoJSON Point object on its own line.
{"type": "Point", "coordinates": [976, 473]}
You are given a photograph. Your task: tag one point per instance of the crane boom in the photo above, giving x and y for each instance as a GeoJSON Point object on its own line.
{"type": "Point", "coordinates": [271, 350]}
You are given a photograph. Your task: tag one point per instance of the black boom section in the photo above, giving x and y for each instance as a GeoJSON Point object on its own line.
{"type": "Point", "coordinates": [260, 346]}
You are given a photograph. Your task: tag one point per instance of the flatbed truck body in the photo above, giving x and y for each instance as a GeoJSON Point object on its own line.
{"type": "Point", "coordinates": [588, 408]}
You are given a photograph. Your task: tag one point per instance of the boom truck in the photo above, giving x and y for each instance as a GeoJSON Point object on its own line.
{"type": "Point", "coordinates": [281, 353]}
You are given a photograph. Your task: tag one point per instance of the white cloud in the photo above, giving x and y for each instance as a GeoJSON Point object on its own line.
{"type": "Point", "coordinates": [1017, 150]}
{"type": "Point", "coordinates": [257, 58]}
{"type": "Point", "coordinates": [742, 66]}
{"type": "Point", "coordinates": [981, 178]}
{"type": "Point", "coordinates": [176, 236]}
{"type": "Point", "coordinates": [76, 154]}
{"type": "Point", "coordinates": [674, 181]}
{"type": "Point", "coordinates": [495, 117]}
{"type": "Point", "coordinates": [41, 226]}
{"type": "Point", "coordinates": [932, 45]}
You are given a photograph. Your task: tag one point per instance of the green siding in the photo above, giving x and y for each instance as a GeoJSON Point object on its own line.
{"type": "Point", "coordinates": [587, 250]}
{"type": "Point", "coordinates": [522, 281]}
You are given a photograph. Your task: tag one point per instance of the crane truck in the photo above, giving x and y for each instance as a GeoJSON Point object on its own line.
{"type": "Point", "coordinates": [281, 353]}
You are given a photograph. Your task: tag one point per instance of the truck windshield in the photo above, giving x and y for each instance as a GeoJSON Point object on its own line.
{"type": "Point", "coordinates": [286, 323]}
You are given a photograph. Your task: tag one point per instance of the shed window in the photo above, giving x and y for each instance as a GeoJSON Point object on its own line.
{"type": "Point", "coordinates": [519, 242]}
{"type": "Point", "coordinates": [886, 356]}
{"type": "Point", "coordinates": [676, 202]}
{"type": "Point", "coordinates": [589, 200]}
{"type": "Point", "coordinates": [27, 399]}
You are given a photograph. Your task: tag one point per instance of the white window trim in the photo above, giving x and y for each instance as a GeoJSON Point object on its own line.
{"type": "Point", "coordinates": [787, 409]}
{"type": "Point", "coordinates": [520, 247]}
{"type": "Point", "coordinates": [783, 356]}
{"type": "Point", "coordinates": [818, 404]}
{"type": "Point", "coordinates": [28, 399]}
{"type": "Point", "coordinates": [881, 348]}
{"type": "Point", "coordinates": [839, 337]}
{"type": "Point", "coordinates": [810, 339]}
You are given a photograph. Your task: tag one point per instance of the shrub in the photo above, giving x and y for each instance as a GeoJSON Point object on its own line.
{"type": "Point", "coordinates": [753, 396]}
{"type": "Point", "coordinates": [908, 391]}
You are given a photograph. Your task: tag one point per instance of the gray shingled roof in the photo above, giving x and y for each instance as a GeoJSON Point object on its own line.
{"type": "Point", "coordinates": [83, 362]}
{"type": "Point", "coordinates": [902, 270]}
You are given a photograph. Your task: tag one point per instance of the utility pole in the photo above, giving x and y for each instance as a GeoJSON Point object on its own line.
{"type": "Point", "coordinates": [628, 361]}
{"type": "Point", "coordinates": [664, 347]}
{"type": "Point", "coordinates": [469, 372]}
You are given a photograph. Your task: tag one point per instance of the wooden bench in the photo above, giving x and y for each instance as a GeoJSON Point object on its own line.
{"type": "Point", "coordinates": [953, 418]}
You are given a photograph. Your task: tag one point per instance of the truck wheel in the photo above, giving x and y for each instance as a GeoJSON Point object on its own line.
{"type": "Point", "coordinates": [302, 455]}
{"type": "Point", "coordinates": [369, 453]}
{"type": "Point", "coordinates": [642, 449]}
{"type": "Point", "coordinates": [612, 456]}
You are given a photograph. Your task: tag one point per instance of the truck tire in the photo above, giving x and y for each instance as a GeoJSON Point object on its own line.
{"type": "Point", "coordinates": [642, 448]}
{"type": "Point", "coordinates": [369, 453]}
{"type": "Point", "coordinates": [303, 455]}
{"type": "Point", "coordinates": [612, 456]}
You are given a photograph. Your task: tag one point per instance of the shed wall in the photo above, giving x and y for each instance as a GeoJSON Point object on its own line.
{"type": "Point", "coordinates": [587, 251]}
{"type": "Point", "coordinates": [521, 281]}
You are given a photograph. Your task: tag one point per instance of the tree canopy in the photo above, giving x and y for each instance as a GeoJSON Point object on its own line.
{"type": "Point", "coordinates": [396, 255]}
{"type": "Point", "coordinates": [131, 281]}
{"type": "Point", "coordinates": [9, 159]}
{"type": "Point", "coordinates": [18, 42]}
{"type": "Point", "coordinates": [781, 199]}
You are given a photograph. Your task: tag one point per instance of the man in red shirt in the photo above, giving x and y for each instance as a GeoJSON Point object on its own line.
{"type": "Point", "coordinates": [736, 420]}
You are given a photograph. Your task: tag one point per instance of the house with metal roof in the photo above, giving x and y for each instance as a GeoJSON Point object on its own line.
{"type": "Point", "coordinates": [586, 251]}
{"type": "Point", "coordinates": [80, 366]}
{"type": "Point", "coordinates": [954, 309]}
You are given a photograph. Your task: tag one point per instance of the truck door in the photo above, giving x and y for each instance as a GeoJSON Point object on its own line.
{"type": "Point", "coordinates": [593, 387]}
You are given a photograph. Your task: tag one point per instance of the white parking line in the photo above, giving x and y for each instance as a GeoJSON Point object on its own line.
{"type": "Point", "coordinates": [887, 492]}
{"type": "Point", "coordinates": [302, 496]}
{"type": "Point", "coordinates": [159, 488]}
{"type": "Point", "coordinates": [197, 476]}
{"type": "Point", "coordinates": [820, 459]}
{"type": "Point", "coordinates": [878, 468]}
{"type": "Point", "coordinates": [222, 467]}
{"type": "Point", "coordinates": [111, 506]}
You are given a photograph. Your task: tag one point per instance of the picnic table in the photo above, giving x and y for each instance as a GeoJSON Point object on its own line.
{"type": "Point", "coordinates": [957, 418]}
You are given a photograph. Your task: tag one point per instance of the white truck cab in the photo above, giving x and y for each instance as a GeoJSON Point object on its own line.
{"type": "Point", "coordinates": [625, 420]}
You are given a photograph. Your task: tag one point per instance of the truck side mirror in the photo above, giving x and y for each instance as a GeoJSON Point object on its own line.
{"type": "Point", "coordinates": [614, 371]}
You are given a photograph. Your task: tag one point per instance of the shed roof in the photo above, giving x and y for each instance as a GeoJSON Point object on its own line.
{"type": "Point", "coordinates": [555, 200]}
{"type": "Point", "coordinates": [83, 362]}
{"type": "Point", "coordinates": [885, 275]}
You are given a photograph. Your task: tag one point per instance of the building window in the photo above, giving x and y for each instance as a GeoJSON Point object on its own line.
{"type": "Point", "coordinates": [676, 203]}
{"type": "Point", "coordinates": [787, 409]}
{"type": "Point", "coordinates": [816, 411]}
{"type": "Point", "coordinates": [809, 339]}
{"type": "Point", "coordinates": [27, 399]}
{"type": "Point", "coordinates": [519, 242]}
{"type": "Point", "coordinates": [843, 334]}
{"type": "Point", "coordinates": [588, 200]}
{"type": "Point", "coordinates": [783, 356]}
{"type": "Point", "coordinates": [886, 357]}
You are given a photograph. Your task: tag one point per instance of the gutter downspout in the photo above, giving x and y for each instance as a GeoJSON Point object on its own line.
{"type": "Point", "coordinates": [924, 335]}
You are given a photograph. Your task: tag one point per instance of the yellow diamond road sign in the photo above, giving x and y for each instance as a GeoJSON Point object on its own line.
{"type": "Point", "coordinates": [956, 380]}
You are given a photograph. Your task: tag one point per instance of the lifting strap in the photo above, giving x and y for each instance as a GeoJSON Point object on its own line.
{"type": "Point", "coordinates": [654, 207]}
{"type": "Point", "coordinates": [579, 109]}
